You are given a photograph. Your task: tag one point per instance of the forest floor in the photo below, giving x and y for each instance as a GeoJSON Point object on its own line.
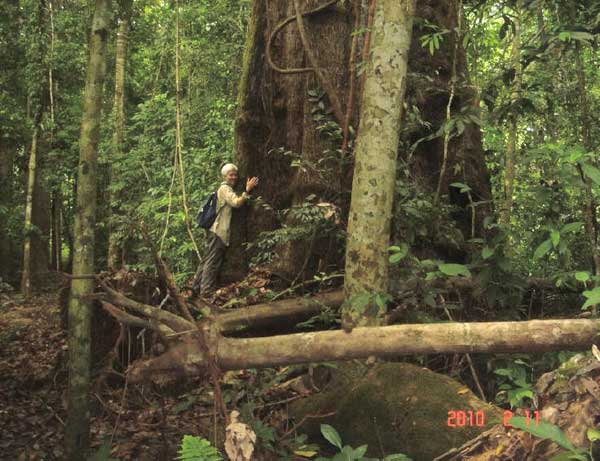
{"type": "Point", "coordinates": [138, 423]}
{"type": "Point", "coordinates": [142, 422]}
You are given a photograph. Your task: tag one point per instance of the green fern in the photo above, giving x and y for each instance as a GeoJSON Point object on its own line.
{"type": "Point", "coordinates": [197, 449]}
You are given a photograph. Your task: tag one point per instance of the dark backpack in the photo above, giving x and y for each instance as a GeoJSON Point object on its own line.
{"type": "Point", "coordinates": [208, 213]}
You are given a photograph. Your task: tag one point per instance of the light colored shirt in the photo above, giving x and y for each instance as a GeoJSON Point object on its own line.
{"type": "Point", "coordinates": [226, 201]}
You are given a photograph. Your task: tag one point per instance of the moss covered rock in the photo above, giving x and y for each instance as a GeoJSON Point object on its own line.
{"type": "Point", "coordinates": [394, 408]}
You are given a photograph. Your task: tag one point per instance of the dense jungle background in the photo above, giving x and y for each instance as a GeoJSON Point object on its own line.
{"type": "Point", "coordinates": [115, 119]}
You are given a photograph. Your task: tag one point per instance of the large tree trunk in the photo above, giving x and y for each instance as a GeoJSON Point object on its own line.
{"type": "Point", "coordinates": [429, 88]}
{"type": "Point", "coordinates": [77, 429]}
{"type": "Point", "coordinates": [275, 111]}
{"type": "Point", "coordinates": [375, 161]}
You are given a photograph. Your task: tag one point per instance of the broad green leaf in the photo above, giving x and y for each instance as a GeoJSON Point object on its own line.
{"type": "Point", "coordinates": [564, 36]}
{"type": "Point", "coordinates": [487, 252]}
{"type": "Point", "coordinates": [571, 227]}
{"type": "Point", "coordinates": [591, 172]}
{"type": "Point", "coordinates": [398, 253]}
{"type": "Point", "coordinates": [541, 250]}
{"type": "Point", "coordinates": [555, 237]}
{"type": "Point", "coordinates": [395, 258]}
{"type": "Point", "coordinates": [593, 434]}
{"type": "Point", "coordinates": [463, 187]}
{"type": "Point", "coordinates": [305, 453]}
{"type": "Point", "coordinates": [503, 372]}
{"type": "Point", "coordinates": [593, 297]}
{"type": "Point", "coordinates": [582, 276]}
{"type": "Point", "coordinates": [544, 430]}
{"type": "Point", "coordinates": [397, 457]}
{"type": "Point", "coordinates": [454, 269]}
{"type": "Point", "coordinates": [331, 435]}
{"type": "Point", "coordinates": [360, 451]}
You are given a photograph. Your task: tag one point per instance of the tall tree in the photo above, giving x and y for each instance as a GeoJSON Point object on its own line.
{"type": "Point", "coordinates": [513, 118]}
{"type": "Point", "coordinates": [119, 126]}
{"type": "Point", "coordinates": [80, 307]}
{"type": "Point", "coordinates": [590, 213]}
{"type": "Point", "coordinates": [279, 88]}
{"type": "Point", "coordinates": [375, 158]}
{"type": "Point", "coordinates": [36, 52]}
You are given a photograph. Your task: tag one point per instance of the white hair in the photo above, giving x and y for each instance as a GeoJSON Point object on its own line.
{"type": "Point", "coordinates": [227, 168]}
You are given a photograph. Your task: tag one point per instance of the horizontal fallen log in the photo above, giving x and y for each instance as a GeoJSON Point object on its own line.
{"type": "Point", "coordinates": [290, 311]}
{"type": "Point", "coordinates": [187, 357]}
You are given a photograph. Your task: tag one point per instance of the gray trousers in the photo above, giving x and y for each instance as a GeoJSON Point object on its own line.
{"type": "Point", "coordinates": [205, 281]}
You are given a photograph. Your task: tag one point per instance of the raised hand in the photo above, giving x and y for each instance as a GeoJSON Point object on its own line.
{"type": "Point", "coordinates": [251, 183]}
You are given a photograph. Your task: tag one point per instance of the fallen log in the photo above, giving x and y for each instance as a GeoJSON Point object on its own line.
{"type": "Point", "coordinates": [290, 311]}
{"type": "Point", "coordinates": [188, 358]}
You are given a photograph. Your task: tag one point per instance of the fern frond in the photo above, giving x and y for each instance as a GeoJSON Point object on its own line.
{"type": "Point", "coordinates": [197, 449]}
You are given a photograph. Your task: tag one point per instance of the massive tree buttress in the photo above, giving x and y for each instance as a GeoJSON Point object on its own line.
{"type": "Point", "coordinates": [290, 57]}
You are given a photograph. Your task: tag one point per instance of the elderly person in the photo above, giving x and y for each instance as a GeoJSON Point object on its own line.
{"type": "Point", "coordinates": [218, 235]}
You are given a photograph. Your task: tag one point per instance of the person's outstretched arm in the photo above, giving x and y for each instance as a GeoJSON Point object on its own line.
{"type": "Point", "coordinates": [234, 200]}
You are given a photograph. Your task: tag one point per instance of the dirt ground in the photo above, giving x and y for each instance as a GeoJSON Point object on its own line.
{"type": "Point", "coordinates": [142, 422]}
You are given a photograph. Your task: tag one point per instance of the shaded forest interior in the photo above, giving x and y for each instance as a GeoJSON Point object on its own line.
{"type": "Point", "coordinates": [423, 238]}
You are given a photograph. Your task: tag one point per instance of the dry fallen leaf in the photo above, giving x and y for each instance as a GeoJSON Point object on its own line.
{"type": "Point", "coordinates": [596, 351]}
{"type": "Point", "coordinates": [239, 439]}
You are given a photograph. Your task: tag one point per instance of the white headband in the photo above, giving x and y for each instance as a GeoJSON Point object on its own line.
{"type": "Point", "coordinates": [227, 168]}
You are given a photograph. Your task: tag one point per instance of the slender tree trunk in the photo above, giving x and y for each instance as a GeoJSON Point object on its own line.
{"type": "Point", "coordinates": [6, 167]}
{"type": "Point", "coordinates": [452, 91]}
{"type": "Point", "coordinates": [375, 159]}
{"type": "Point", "coordinates": [35, 55]}
{"type": "Point", "coordinates": [31, 180]}
{"type": "Point", "coordinates": [113, 258]}
{"type": "Point", "coordinates": [178, 132]}
{"type": "Point", "coordinates": [77, 429]}
{"type": "Point", "coordinates": [56, 199]}
{"type": "Point", "coordinates": [41, 222]}
{"type": "Point", "coordinates": [591, 221]}
{"type": "Point", "coordinates": [511, 147]}
{"type": "Point", "coordinates": [57, 230]}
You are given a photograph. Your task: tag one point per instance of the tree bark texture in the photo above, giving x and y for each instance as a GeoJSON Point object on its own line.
{"type": "Point", "coordinates": [589, 212]}
{"type": "Point", "coordinates": [113, 257]}
{"type": "Point", "coordinates": [188, 359]}
{"type": "Point", "coordinates": [77, 428]}
{"type": "Point", "coordinates": [57, 210]}
{"type": "Point", "coordinates": [31, 180]}
{"type": "Point", "coordinates": [376, 155]}
{"type": "Point", "coordinates": [10, 134]}
{"type": "Point", "coordinates": [513, 118]}
{"type": "Point", "coordinates": [429, 85]}
{"type": "Point", "coordinates": [6, 175]}
{"type": "Point", "coordinates": [36, 56]}
{"type": "Point", "coordinates": [41, 220]}
{"type": "Point", "coordinates": [274, 111]}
